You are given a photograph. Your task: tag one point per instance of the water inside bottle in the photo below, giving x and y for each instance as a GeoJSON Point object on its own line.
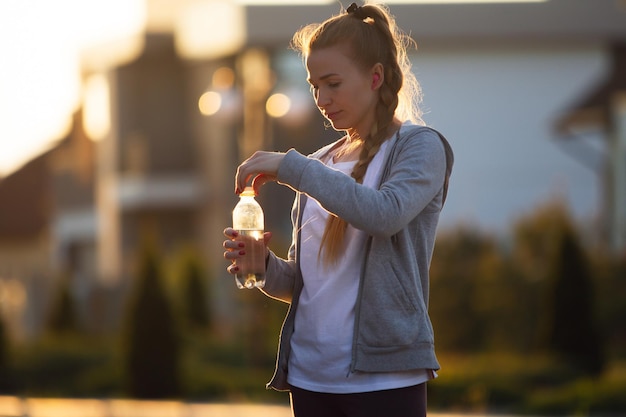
{"type": "Point", "coordinates": [251, 265]}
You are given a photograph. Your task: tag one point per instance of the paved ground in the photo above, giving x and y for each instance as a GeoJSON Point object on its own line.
{"type": "Point", "coordinates": [63, 407]}
{"type": "Point", "coordinates": [54, 407]}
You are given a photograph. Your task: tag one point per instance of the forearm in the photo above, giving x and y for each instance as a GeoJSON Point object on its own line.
{"type": "Point", "coordinates": [279, 278]}
{"type": "Point", "coordinates": [415, 179]}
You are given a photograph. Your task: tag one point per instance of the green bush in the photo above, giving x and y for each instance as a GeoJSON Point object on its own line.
{"type": "Point", "coordinates": [152, 346]}
{"type": "Point", "coordinates": [67, 367]}
{"type": "Point", "coordinates": [536, 385]}
{"type": "Point", "coordinates": [580, 397]}
{"type": "Point", "coordinates": [218, 371]}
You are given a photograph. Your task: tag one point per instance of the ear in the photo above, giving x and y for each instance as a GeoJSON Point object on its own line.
{"type": "Point", "coordinates": [378, 75]}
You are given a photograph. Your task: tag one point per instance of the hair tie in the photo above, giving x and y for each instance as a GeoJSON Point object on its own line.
{"type": "Point", "coordinates": [356, 11]}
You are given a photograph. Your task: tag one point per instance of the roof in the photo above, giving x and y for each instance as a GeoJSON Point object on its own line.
{"type": "Point", "coordinates": [594, 108]}
{"type": "Point", "coordinates": [573, 20]}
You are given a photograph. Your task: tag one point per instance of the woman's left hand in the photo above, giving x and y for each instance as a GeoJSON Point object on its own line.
{"type": "Point", "coordinates": [261, 167]}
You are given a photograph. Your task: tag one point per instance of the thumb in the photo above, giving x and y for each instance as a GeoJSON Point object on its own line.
{"type": "Point", "coordinates": [261, 179]}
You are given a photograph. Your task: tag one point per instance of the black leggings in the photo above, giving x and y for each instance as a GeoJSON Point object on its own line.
{"type": "Point", "coordinates": [401, 402]}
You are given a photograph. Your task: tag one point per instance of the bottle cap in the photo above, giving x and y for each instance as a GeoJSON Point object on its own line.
{"type": "Point", "coordinates": [248, 192]}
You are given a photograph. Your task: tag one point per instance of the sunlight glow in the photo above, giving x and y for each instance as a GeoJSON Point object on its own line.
{"type": "Point", "coordinates": [277, 105]}
{"type": "Point", "coordinates": [223, 78]}
{"type": "Point", "coordinates": [210, 103]}
{"type": "Point", "coordinates": [97, 103]}
{"type": "Point", "coordinates": [40, 75]}
{"type": "Point", "coordinates": [208, 29]}
{"type": "Point", "coordinates": [38, 80]}
{"type": "Point", "coordinates": [225, 102]}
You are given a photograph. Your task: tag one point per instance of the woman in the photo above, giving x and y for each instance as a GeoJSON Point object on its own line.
{"type": "Point", "coordinates": [357, 340]}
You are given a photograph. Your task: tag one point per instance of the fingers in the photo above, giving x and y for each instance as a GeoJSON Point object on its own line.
{"type": "Point", "coordinates": [241, 179]}
{"type": "Point", "coordinates": [261, 167]}
{"type": "Point", "coordinates": [243, 176]}
{"type": "Point", "coordinates": [232, 249]}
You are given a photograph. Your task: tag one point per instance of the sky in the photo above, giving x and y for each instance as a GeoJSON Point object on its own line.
{"type": "Point", "coordinates": [507, 158]}
{"type": "Point", "coordinates": [40, 66]}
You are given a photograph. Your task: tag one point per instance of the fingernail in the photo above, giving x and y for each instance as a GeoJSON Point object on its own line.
{"type": "Point", "coordinates": [242, 252]}
{"type": "Point", "coordinates": [235, 268]}
{"type": "Point", "coordinates": [241, 244]}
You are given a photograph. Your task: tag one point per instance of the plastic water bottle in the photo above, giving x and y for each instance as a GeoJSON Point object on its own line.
{"type": "Point", "coordinates": [248, 221]}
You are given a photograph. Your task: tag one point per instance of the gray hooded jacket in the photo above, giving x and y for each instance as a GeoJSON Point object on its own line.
{"type": "Point", "coordinates": [392, 330]}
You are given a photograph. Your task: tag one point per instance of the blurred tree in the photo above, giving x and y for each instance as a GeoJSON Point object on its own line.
{"type": "Point", "coordinates": [502, 303]}
{"type": "Point", "coordinates": [152, 343]}
{"type": "Point", "coordinates": [63, 318]}
{"type": "Point", "coordinates": [535, 241]}
{"type": "Point", "coordinates": [535, 237]}
{"type": "Point", "coordinates": [611, 299]}
{"type": "Point", "coordinates": [459, 262]}
{"type": "Point", "coordinates": [4, 356]}
{"type": "Point", "coordinates": [490, 295]}
{"type": "Point", "coordinates": [569, 326]}
{"type": "Point", "coordinates": [194, 304]}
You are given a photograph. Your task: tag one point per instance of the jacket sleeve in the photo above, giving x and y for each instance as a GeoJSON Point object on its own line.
{"type": "Point", "coordinates": [415, 177]}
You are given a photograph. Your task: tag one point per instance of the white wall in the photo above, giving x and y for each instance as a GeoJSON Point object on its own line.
{"type": "Point", "coordinates": [497, 105]}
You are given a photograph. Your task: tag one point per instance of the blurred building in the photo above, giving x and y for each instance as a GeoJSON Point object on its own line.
{"type": "Point", "coordinates": [603, 109]}
{"type": "Point", "coordinates": [47, 231]}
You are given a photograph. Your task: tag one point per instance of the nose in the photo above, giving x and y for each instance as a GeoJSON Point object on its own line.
{"type": "Point", "coordinates": [322, 100]}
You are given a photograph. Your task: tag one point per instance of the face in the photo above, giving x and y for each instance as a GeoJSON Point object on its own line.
{"type": "Point", "coordinates": [344, 93]}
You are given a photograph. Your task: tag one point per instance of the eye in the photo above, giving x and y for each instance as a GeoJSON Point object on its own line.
{"type": "Point", "coordinates": [334, 85]}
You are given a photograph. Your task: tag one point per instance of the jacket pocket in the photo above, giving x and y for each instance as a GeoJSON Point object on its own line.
{"type": "Point", "coordinates": [390, 313]}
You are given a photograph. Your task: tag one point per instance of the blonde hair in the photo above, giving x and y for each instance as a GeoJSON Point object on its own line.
{"type": "Point", "coordinates": [371, 36]}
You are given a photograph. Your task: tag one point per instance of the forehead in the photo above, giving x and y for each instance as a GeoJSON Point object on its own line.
{"type": "Point", "coordinates": [329, 60]}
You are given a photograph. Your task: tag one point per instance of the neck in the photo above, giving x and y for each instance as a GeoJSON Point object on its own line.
{"type": "Point", "coordinates": [349, 151]}
{"type": "Point", "coordinates": [353, 136]}
{"type": "Point", "coordinates": [356, 136]}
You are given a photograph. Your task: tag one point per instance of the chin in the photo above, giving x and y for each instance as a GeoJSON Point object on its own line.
{"type": "Point", "coordinates": [338, 125]}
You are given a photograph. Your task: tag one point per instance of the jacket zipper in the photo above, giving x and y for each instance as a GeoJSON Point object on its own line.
{"type": "Point", "coordinates": [357, 311]}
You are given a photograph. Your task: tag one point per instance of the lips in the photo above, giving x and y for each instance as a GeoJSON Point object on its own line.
{"type": "Point", "coordinates": [332, 115]}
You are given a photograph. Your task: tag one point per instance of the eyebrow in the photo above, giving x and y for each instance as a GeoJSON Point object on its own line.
{"type": "Point", "coordinates": [323, 77]}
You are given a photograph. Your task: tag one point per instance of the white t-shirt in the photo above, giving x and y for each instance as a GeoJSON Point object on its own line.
{"type": "Point", "coordinates": [321, 346]}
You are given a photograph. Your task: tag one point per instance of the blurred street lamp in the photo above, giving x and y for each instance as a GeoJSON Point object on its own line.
{"type": "Point", "coordinates": [277, 105]}
{"type": "Point", "coordinates": [206, 29]}
{"type": "Point", "coordinates": [292, 107]}
{"type": "Point", "coordinates": [222, 98]}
